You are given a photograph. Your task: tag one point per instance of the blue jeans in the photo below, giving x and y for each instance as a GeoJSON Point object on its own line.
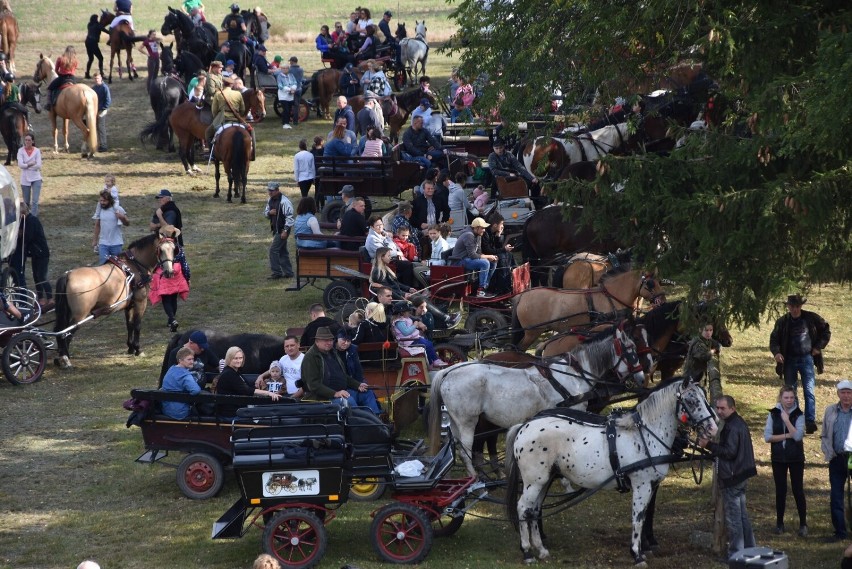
{"type": "Point", "coordinates": [422, 160]}
{"type": "Point", "coordinates": [31, 195]}
{"type": "Point", "coordinates": [804, 366]}
{"type": "Point", "coordinates": [359, 399]}
{"type": "Point", "coordinates": [485, 268]}
{"type": "Point", "coordinates": [837, 473]}
{"type": "Point", "coordinates": [105, 251]}
{"type": "Point", "coordinates": [740, 535]}
{"type": "Point", "coordinates": [427, 345]}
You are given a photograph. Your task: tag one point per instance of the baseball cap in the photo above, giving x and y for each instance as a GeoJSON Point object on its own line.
{"type": "Point", "coordinates": [230, 62]}
{"type": "Point", "coordinates": [425, 103]}
{"type": "Point", "coordinates": [845, 384]}
{"type": "Point", "coordinates": [272, 186]}
{"type": "Point", "coordinates": [200, 338]}
{"type": "Point", "coordinates": [479, 222]}
{"type": "Point", "coordinates": [348, 190]}
{"type": "Point", "coordinates": [388, 14]}
{"type": "Point", "coordinates": [164, 193]}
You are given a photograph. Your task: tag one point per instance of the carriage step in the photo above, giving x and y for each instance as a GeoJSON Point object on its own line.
{"type": "Point", "coordinates": [152, 456]}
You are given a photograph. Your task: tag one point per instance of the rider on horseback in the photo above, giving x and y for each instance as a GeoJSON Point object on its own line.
{"type": "Point", "coordinates": [66, 65]}
{"type": "Point", "coordinates": [228, 106]}
{"type": "Point", "coordinates": [11, 97]}
{"type": "Point", "coordinates": [235, 25]}
{"type": "Point", "coordinates": [123, 8]}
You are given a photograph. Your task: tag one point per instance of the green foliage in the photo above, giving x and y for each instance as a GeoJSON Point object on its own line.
{"type": "Point", "coordinates": [759, 204]}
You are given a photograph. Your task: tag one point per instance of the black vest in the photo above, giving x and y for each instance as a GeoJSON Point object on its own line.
{"type": "Point", "coordinates": [788, 450]}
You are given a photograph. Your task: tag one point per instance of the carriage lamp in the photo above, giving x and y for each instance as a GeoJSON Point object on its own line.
{"type": "Point", "coordinates": [445, 421]}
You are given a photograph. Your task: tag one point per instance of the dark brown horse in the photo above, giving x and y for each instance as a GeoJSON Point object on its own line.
{"type": "Point", "coordinates": [233, 150]}
{"type": "Point", "coordinates": [120, 39]}
{"type": "Point", "coordinates": [13, 127]}
{"type": "Point", "coordinates": [9, 36]}
{"type": "Point", "coordinates": [121, 283]}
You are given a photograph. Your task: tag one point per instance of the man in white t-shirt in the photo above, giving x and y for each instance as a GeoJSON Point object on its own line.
{"type": "Point", "coordinates": [291, 366]}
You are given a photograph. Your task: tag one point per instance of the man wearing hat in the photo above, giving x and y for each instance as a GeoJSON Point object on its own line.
{"type": "Point", "coordinates": [326, 378]}
{"type": "Point", "coordinates": [502, 163]}
{"type": "Point", "coordinates": [350, 83]}
{"type": "Point", "coordinates": [796, 343]}
{"type": "Point", "coordinates": [259, 61]}
{"type": "Point", "coordinates": [835, 431]}
{"type": "Point", "coordinates": [424, 109]}
{"type": "Point", "coordinates": [368, 117]}
{"type": "Point", "coordinates": [215, 81]}
{"type": "Point", "coordinates": [167, 213]}
{"type": "Point", "coordinates": [227, 106]}
{"type": "Point", "coordinates": [205, 359]}
{"type": "Point", "coordinates": [234, 24]}
{"type": "Point", "coordinates": [468, 253]}
{"type": "Point", "coordinates": [279, 212]}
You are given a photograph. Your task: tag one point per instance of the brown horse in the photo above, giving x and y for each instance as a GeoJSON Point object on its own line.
{"type": "Point", "coordinates": [122, 282]}
{"type": "Point", "coordinates": [9, 36]}
{"type": "Point", "coordinates": [324, 84]}
{"type": "Point", "coordinates": [190, 122]}
{"type": "Point", "coordinates": [583, 270]}
{"type": "Point", "coordinates": [13, 127]}
{"type": "Point", "coordinates": [541, 309]}
{"type": "Point", "coordinates": [78, 103]}
{"type": "Point", "coordinates": [233, 150]}
{"type": "Point", "coordinates": [120, 38]}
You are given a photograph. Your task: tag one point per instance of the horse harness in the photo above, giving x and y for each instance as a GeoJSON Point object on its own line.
{"type": "Point", "coordinates": [647, 283]}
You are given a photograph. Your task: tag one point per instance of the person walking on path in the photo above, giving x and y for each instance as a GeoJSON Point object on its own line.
{"type": "Point", "coordinates": [304, 168]}
{"type": "Point", "coordinates": [835, 430]}
{"type": "Point", "coordinates": [279, 211]}
{"type": "Point", "coordinates": [167, 213]}
{"type": "Point", "coordinates": [796, 343]}
{"type": "Point", "coordinates": [109, 218]}
{"type": "Point", "coordinates": [104, 103]}
{"type": "Point", "coordinates": [785, 429]}
{"type": "Point", "coordinates": [735, 456]}
{"type": "Point", "coordinates": [29, 161]}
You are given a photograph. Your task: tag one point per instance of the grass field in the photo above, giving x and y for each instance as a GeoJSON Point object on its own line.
{"type": "Point", "coordinates": [69, 488]}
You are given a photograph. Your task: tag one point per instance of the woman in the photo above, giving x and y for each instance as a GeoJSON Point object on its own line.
{"type": "Point", "coordinates": [65, 67]}
{"type": "Point", "coordinates": [287, 87]}
{"type": "Point", "coordinates": [421, 312]}
{"type": "Point", "coordinates": [36, 248]}
{"type": "Point", "coordinates": [785, 429]}
{"type": "Point", "coordinates": [368, 48]}
{"type": "Point", "coordinates": [93, 38]}
{"type": "Point", "coordinates": [179, 380]}
{"type": "Point", "coordinates": [168, 289]}
{"type": "Point", "coordinates": [374, 80]}
{"type": "Point", "coordinates": [318, 147]}
{"type": "Point", "coordinates": [306, 222]}
{"type": "Point", "coordinates": [364, 22]}
{"type": "Point", "coordinates": [462, 102]}
{"type": "Point", "coordinates": [231, 382]}
{"type": "Point", "coordinates": [495, 243]}
{"type": "Point", "coordinates": [151, 46]}
{"type": "Point", "coordinates": [374, 147]}
{"type": "Point", "coordinates": [383, 276]}
{"type": "Point", "coordinates": [337, 145]}
{"type": "Point", "coordinates": [408, 333]}
{"type": "Point", "coordinates": [304, 168]}
{"type": "Point", "coordinates": [373, 328]}
{"type": "Point", "coordinates": [29, 161]}
{"type": "Point", "coordinates": [109, 219]}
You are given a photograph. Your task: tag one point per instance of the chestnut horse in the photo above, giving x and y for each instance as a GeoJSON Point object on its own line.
{"type": "Point", "coordinates": [233, 150]}
{"type": "Point", "coordinates": [324, 84]}
{"type": "Point", "coordinates": [120, 39]}
{"type": "Point", "coordinates": [78, 103]}
{"type": "Point", "coordinates": [9, 36]}
{"type": "Point", "coordinates": [123, 282]}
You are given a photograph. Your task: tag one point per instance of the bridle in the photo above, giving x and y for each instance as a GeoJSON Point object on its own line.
{"type": "Point", "coordinates": [687, 415]}
{"type": "Point", "coordinates": [649, 284]}
{"type": "Point", "coordinates": [629, 357]}
{"type": "Point", "coordinates": [176, 250]}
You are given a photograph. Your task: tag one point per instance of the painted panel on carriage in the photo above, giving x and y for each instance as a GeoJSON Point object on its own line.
{"type": "Point", "coordinates": [291, 483]}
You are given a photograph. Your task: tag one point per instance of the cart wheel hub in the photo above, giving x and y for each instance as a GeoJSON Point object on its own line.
{"type": "Point", "coordinates": [400, 536]}
{"type": "Point", "coordinates": [294, 541]}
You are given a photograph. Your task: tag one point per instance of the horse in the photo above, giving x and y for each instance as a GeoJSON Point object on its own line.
{"type": "Point", "coordinates": [414, 51]}
{"type": "Point", "coordinates": [120, 38]}
{"type": "Point", "coordinates": [233, 150]}
{"type": "Point", "coordinates": [582, 270]}
{"type": "Point", "coordinates": [574, 445]}
{"type": "Point", "coordinates": [9, 36]}
{"type": "Point", "coordinates": [121, 282]}
{"type": "Point", "coordinates": [78, 103]}
{"type": "Point", "coordinates": [30, 95]}
{"type": "Point", "coordinates": [203, 40]}
{"type": "Point", "coordinates": [537, 310]}
{"type": "Point", "coordinates": [547, 235]}
{"type": "Point", "coordinates": [396, 108]}
{"type": "Point", "coordinates": [509, 394]}
{"type": "Point", "coordinates": [324, 84]}
{"type": "Point", "coordinates": [166, 94]}
{"type": "Point", "coordinates": [188, 65]}
{"type": "Point", "coordinates": [547, 157]}
{"type": "Point", "coordinates": [13, 127]}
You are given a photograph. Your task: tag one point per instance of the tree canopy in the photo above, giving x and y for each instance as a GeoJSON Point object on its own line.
{"type": "Point", "coordinates": [758, 204]}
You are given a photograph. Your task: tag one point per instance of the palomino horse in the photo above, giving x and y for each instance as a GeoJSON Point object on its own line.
{"type": "Point", "coordinates": [78, 103]}
{"type": "Point", "coordinates": [9, 36]}
{"type": "Point", "coordinates": [121, 282]}
{"type": "Point", "coordinates": [120, 39]}
{"type": "Point", "coordinates": [233, 150]}
{"type": "Point", "coordinates": [582, 270]}
{"type": "Point", "coordinates": [190, 122]}
{"type": "Point", "coordinates": [573, 445]}
{"type": "Point", "coordinates": [324, 84]}
{"type": "Point", "coordinates": [547, 157]}
{"type": "Point", "coordinates": [507, 394]}
{"type": "Point", "coordinates": [414, 51]}
{"type": "Point", "coordinates": [538, 310]}
{"type": "Point", "coordinates": [203, 40]}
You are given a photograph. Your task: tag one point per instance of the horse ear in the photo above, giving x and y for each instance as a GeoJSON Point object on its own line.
{"type": "Point", "coordinates": [686, 381]}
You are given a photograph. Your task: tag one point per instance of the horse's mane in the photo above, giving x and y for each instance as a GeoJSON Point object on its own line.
{"type": "Point", "coordinates": [659, 318]}
{"type": "Point", "coordinates": [652, 404]}
{"type": "Point", "coordinates": [617, 270]}
{"type": "Point", "coordinates": [596, 346]}
{"type": "Point", "coordinates": [143, 242]}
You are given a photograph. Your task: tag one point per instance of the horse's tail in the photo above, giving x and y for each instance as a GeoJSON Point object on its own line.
{"type": "Point", "coordinates": [435, 404]}
{"type": "Point", "coordinates": [152, 130]}
{"type": "Point", "coordinates": [513, 477]}
{"type": "Point", "coordinates": [173, 343]}
{"type": "Point", "coordinates": [315, 84]}
{"type": "Point", "coordinates": [63, 307]}
{"type": "Point", "coordinates": [239, 169]}
{"type": "Point", "coordinates": [92, 119]}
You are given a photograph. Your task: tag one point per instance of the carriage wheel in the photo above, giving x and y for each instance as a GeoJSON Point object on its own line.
{"type": "Point", "coordinates": [445, 525]}
{"type": "Point", "coordinates": [273, 488]}
{"type": "Point", "coordinates": [367, 490]}
{"type": "Point", "coordinates": [332, 211]}
{"type": "Point", "coordinates": [297, 538]}
{"type": "Point", "coordinates": [200, 476]}
{"type": "Point", "coordinates": [401, 533]}
{"type": "Point", "coordinates": [337, 293]}
{"type": "Point", "coordinates": [304, 111]}
{"type": "Point", "coordinates": [278, 106]}
{"type": "Point", "coordinates": [24, 358]}
{"type": "Point", "coordinates": [8, 278]}
{"type": "Point", "coordinates": [486, 321]}
{"type": "Point", "coordinates": [450, 353]}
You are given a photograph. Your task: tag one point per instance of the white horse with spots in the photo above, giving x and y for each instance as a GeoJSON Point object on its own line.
{"type": "Point", "coordinates": [558, 153]}
{"type": "Point", "coordinates": [577, 448]}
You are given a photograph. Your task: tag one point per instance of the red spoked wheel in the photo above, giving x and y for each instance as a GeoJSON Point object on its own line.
{"type": "Point", "coordinates": [401, 533]}
{"type": "Point", "coordinates": [297, 538]}
{"type": "Point", "coordinates": [200, 476]}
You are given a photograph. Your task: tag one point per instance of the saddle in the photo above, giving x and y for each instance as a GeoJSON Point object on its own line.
{"type": "Point", "coordinates": [224, 127]}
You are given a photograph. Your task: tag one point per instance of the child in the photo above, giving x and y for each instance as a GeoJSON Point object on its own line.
{"type": "Point", "coordinates": [421, 313]}
{"type": "Point", "coordinates": [407, 333]}
{"type": "Point", "coordinates": [439, 245]}
{"type": "Point", "coordinates": [109, 185]}
{"type": "Point", "coordinates": [273, 381]}
{"type": "Point", "coordinates": [229, 68]}
{"type": "Point", "coordinates": [701, 360]}
{"type": "Point", "coordinates": [401, 238]}
{"type": "Point", "coordinates": [480, 198]}
{"type": "Point", "coordinates": [445, 230]}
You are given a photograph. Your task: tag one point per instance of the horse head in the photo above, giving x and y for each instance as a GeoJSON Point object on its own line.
{"type": "Point", "coordinates": [693, 408]}
{"type": "Point", "coordinates": [400, 31]}
{"type": "Point", "coordinates": [43, 70]}
{"type": "Point", "coordinates": [651, 289]}
{"type": "Point", "coordinates": [31, 95]}
{"type": "Point", "coordinates": [170, 22]}
{"type": "Point", "coordinates": [256, 103]}
{"type": "Point", "coordinates": [167, 249]}
{"type": "Point", "coordinates": [420, 30]}
{"type": "Point", "coordinates": [106, 18]}
{"type": "Point", "coordinates": [627, 366]}
{"type": "Point", "coordinates": [167, 61]}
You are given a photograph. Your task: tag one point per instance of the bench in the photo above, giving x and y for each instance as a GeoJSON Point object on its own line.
{"type": "Point", "coordinates": [371, 177]}
{"type": "Point", "coordinates": [314, 264]}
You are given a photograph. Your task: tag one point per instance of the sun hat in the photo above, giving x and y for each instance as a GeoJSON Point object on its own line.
{"type": "Point", "coordinates": [323, 333]}
{"type": "Point", "coordinates": [200, 338]}
{"type": "Point", "coordinates": [479, 222]}
{"type": "Point", "coordinates": [845, 384]}
{"type": "Point", "coordinates": [164, 193]}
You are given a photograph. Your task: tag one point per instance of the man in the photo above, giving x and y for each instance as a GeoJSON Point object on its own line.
{"type": "Point", "coordinates": [235, 25]}
{"type": "Point", "coordinates": [349, 135]}
{"type": "Point", "coordinates": [104, 102]}
{"type": "Point", "coordinates": [179, 379]}
{"type": "Point", "coordinates": [835, 429]}
{"type": "Point", "coordinates": [348, 352]}
{"type": "Point", "coordinates": [796, 343]}
{"type": "Point", "coordinates": [318, 320]}
{"type": "Point", "coordinates": [506, 165]}
{"type": "Point", "coordinates": [215, 81]}
{"type": "Point", "coordinates": [350, 84]}
{"type": "Point", "coordinates": [456, 197]}
{"type": "Point", "coordinates": [344, 110]}
{"type": "Point", "coordinates": [428, 209]}
{"type": "Point", "coordinates": [325, 376]}
{"type": "Point", "coordinates": [228, 106]}
{"type": "Point", "coordinates": [279, 211]}
{"type": "Point", "coordinates": [736, 465]}
{"type": "Point", "coordinates": [368, 118]}
{"type": "Point", "coordinates": [468, 253]}
{"type": "Point", "coordinates": [354, 224]}
{"type": "Point", "coordinates": [206, 361]}
{"type": "Point", "coordinates": [702, 357]}
{"type": "Point", "coordinates": [259, 60]}
{"type": "Point", "coordinates": [424, 109]}
{"type": "Point", "coordinates": [167, 213]}
{"type": "Point", "coordinates": [421, 147]}
{"type": "Point", "coordinates": [390, 39]}
{"type": "Point", "coordinates": [298, 72]}
{"type": "Point", "coordinates": [384, 296]}
{"type": "Point", "coordinates": [224, 53]}
{"type": "Point", "coordinates": [291, 368]}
